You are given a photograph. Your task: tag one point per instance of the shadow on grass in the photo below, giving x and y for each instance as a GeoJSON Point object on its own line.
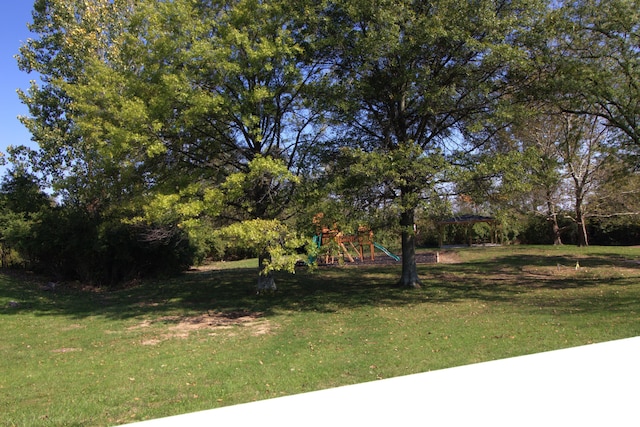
{"type": "Point", "coordinates": [504, 278]}
{"type": "Point", "coordinates": [225, 291]}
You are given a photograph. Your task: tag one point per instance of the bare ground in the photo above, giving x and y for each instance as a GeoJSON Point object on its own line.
{"type": "Point", "coordinates": [444, 257]}
{"type": "Point", "coordinates": [183, 326]}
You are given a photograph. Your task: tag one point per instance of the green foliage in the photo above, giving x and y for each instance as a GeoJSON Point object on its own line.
{"type": "Point", "coordinates": [16, 233]}
{"type": "Point", "coordinates": [129, 253]}
{"type": "Point", "coordinates": [283, 246]}
{"type": "Point", "coordinates": [70, 35]}
{"type": "Point", "coordinates": [614, 231]}
{"type": "Point", "coordinates": [367, 181]}
{"type": "Point", "coordinates": [197, 209]}
{"type": "Point", "coordinates": [536, 229]}
{"type": "Point", "coordinates": [70, 245]}
{"type": "Point", "coordinates": [22, 204]}
{"type": "Point", "coordinates": [21, 193]}
{"type": "Point", "coordinates": [260, 191]}
{"type": "Point", "coordinates": [190, 209]}
{"type": "Point", "coordinates": [595, 53]}
{"type": "Point", "coordinates": [495, 177]}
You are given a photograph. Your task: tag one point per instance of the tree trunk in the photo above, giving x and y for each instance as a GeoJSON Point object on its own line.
{"type": "Point", "coordinates": [552, 217]}
{"type": "Point", "coordinates": [409, 277]}
{"type": "Point", "coordinates": [555, 229]}
{"type": "Point", "coordinates": [266, 282]}
{"type": "Point", "coordinates": [557, 236]}
{"type": "Point", "coordinates": [583, 240]}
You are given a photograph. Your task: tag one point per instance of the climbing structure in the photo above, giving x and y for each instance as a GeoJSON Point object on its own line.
{"type": "Point", "coordinates": [339, 244]}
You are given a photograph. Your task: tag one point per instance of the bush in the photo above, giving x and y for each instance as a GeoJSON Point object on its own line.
{"type": "Point", "coordinates": [614, 231]}
{"type": "Point", "coordinates": [536, 231]}
{"type": "Point", "coordinates": [131, 252]}
{"type": "Point", "coordinates": [71, 245]}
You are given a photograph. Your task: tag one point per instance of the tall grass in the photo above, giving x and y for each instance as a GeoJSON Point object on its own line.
{"type": "Point", "coordinates": [82, 356]}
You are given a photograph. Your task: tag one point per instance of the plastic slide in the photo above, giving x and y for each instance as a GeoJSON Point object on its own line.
{"type": "Point", "coordinates": [317, 240]}
{"type": "Point", "coordinates": [386, 251]}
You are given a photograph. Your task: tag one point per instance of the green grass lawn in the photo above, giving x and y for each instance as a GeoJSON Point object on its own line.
{"type": "Point", "coordinates": [84, 357]}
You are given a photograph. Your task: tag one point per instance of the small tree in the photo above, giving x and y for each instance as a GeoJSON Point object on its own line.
{"type": "Point", "coordinates": [22, 204]}
{"type": "Point", "coordinates": [538, 136]}
{"type": "Point", "coordinates": [276, 243]}
{"type": "Point", "coordinates": [569, 156]}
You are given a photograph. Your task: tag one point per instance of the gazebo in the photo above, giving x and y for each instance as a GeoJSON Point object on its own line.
{"type": "Point", "coordinates": [468, 221]}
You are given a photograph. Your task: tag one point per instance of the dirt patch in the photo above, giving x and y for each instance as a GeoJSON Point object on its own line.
{"type": "Point", "coordinates": [444, 257]}
{"type": "Point", "coordinates": [448, 257]}
{"type": "Point", "coordinates": [66, 350]}
{"type": "Point", "coordinates": [183, 326]}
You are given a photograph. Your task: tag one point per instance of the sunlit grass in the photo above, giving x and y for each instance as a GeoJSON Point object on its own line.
{"type": "Point", "coordinates": [203, 340]}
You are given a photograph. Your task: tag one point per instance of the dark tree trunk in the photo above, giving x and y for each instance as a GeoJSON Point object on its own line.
{"type": "Point", "coordinates": [583, 239]}
{"type": "Point", "coordinates": [409, 278]}
{"type": "Point", "coordinates": [555, 229]}
{"type": "Point", "coordinates": [552, 217]}
{"type": "Point", "coordinates": [266, 282]}
{"type": "Point", "coordinates": [557, 235]}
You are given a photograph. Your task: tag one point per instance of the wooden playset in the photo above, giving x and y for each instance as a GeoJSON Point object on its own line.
{"type": "Point", "coordinates": [329, 237]}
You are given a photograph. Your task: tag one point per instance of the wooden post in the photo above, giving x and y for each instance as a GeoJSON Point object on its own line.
{"type": "Point", "coordinates": [346, 252]}
{"type": "Point", "coordinates": [359, 252]}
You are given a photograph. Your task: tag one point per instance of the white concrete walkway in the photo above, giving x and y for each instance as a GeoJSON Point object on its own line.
{"type": "Point", "coordinates": [593, 385]}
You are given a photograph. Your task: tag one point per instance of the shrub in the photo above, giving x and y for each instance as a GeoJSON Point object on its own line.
{"type": "Point", "coordinates": [71, 245]}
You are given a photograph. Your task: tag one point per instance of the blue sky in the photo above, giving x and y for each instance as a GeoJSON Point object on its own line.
{"type": "Point", "coordinates": [13, 33]}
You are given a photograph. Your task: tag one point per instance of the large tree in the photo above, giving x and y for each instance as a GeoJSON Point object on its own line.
{"type": "Point", "coordinates": [537, 135]}
{"type": "Point", "coordinates": [68, 35]}
{"type": "Point", "coordinates": [415, 78]}
{"type": "Point", "coordinates": [597, 62]}
{"type": "Point", "coordinates": [583, 94]}
{"type": "Point", "coordinates": [572, 157]}
{"type": "Point", "coordinates": [584, 153]}
{"type": "Point", "coordinates": [196, 102]}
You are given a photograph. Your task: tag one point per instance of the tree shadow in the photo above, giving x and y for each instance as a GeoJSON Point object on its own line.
{"type": "Point", "coordinates": [552, 283]}
{"type": "Point", "coordinates": [504, 278]}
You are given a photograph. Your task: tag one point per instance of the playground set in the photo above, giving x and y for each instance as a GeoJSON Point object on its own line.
{"type": "Point", "coordinates": [336, 242]}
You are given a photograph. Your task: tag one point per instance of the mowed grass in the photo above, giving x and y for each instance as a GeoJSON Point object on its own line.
{"type": "Point", "coordinates": [84, 357]}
